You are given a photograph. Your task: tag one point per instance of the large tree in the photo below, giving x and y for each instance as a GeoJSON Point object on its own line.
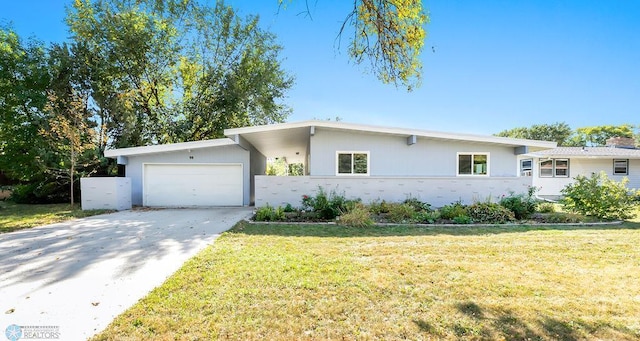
{"type": "Point", "coordinates": [176, 70]}
{"type": "Point", "coordinates": [558, 132]}
{"type": "Point", "coordinates": [69, 130]}
{"type": "Point", "coordinates": [24, 79]}
{"type": "Point", "coordinates": [597, 135]}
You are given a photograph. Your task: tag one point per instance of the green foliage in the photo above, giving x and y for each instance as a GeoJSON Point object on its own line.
{"type": "Point", "coordinates": [296, 169]}
{"type": "Point", "coordinates": [41, 192]}
{"type": "Point", "coordinates": [546, 207]}
{"type": "Point", "coordinates": [427, 217]}
{"type": "Point", "coordinates": [565, 136]}
{"type": "Point", "coordinates": [358, 216]}
{"type": "Point", "coordinates": [522, 206]}
{"type": "Point", "coordinates": [391, 35]}
{"type": "Point", "coordinates": [491, 213]}
{"type": "Point", "coordinates": [453, 210]}
{"type": "Point", "coordinates": [172, 71]}
{"type": "Point", "coordinates": [379, 207]}
{"type": "Point", "coordinates": [288, 208]}
{"type": "Point", "coordinates": [280, 167]}
{"type": "Point", "coordinates": [401, 213]}
{"type": "Point", "coordinates": [417, 204]}
{"type": "Point", "coordinates": [326, 206]}
{"type": "Point", "coordinates": [600, 197]}
{"type": "Point", "coordinates": [598, 135]}
{"type": "Point", "coordinates": [24, 79]}
{"type": "Point", "coordinates": [268, 213]}
{"type": "Point", "coordinates": [135, 73]}
{"type": "Point", "coordinates": [462, 219]}
{"type": "Point", "coordinates": [558, 132]}
{"type": "Point", "coordinates": [563, 218]}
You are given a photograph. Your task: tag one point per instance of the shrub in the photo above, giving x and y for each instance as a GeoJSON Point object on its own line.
{"type": "Point", "coordinates": [453, 210]}
{"type": "Point", "coordinates": [417, 204]}
{"type": "Point", "coordinates": [379, 207]}
{"type": "Point", "coordinates": [522, 206]}
{"type": "Point", "coordinates": [563, 218]}
{"type": "Point", "coordinates": [268, 213]}
{"type": "Point", "coordinates": [288, 208]}
{"type": "Point", "coordinates": [546, 207]}
{"type": "Point", "coordinates": [427, 217]}
{"type": "Point", "coordinates": [357, 216]}
{"type": "Point", "coordinates": [600, 197]}
{"type": "Point", "coordinates": [462, 219]}
{"type": "Point", "coordinates": [401, 213]}
{"type": "Point", "coordinates": [492, 213]}
{"type": "Point", "coordinates": [326, 206]}
{"type": "Point", "coordinates": [44, 192]}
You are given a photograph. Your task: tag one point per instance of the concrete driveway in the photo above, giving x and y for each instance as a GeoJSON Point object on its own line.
{"type": "Point", "coordinates": [77, 276]}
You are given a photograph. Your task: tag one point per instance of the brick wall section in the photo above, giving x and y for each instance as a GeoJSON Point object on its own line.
{"type": "Point", "coordinates": [437, 191]}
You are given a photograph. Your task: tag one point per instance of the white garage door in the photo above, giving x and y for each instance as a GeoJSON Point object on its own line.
{"type": "Point", "coordinates": [192, 185]}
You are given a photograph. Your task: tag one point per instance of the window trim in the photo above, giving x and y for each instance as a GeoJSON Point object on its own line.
{"type": "Point", "coordinates": [352, 152]}
{"type": "Point", "coordinates": [487, 154]}
{"type": "Point", "coordinates": [626, 167]}
{"type": "Point", "coordinates": [554, 168]}
{"type": "Point", "coordinates": [529, 170]}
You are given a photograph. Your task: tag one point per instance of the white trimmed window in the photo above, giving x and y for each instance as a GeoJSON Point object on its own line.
{"type": "Point", "coordinates": [473, 164]}
{"type": "Point", "coordinates": [620, 167]}
{"type": "Point", "coordinates": [352, 163]}
{"type": "Point", "coordinates": [526, 167]}
{"type": "Point", "coordinates": [554, 168]}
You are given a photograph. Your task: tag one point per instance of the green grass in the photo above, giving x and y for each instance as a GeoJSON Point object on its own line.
{"type": "Point", "coordinates": [286, 282]}
{"type": "Point", "coordinates": [16, 217]}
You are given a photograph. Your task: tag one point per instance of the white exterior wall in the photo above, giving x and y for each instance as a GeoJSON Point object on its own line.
{"type": "Point", "coordinates": [280, 190]}
{"type": "Point", "coordinates": [552, 186]}
{"type": "Point", "coordinates": [106, 193]}
{"type": "Point", "coordinates": [391, 155]}
{"type": "Point", "coordinates": [221, 154]}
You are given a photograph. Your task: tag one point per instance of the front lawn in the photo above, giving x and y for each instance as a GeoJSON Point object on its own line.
{"type": "Point", "coordinates": [286, 282]}
{"type": "Point", "coordinates": [15, 216]}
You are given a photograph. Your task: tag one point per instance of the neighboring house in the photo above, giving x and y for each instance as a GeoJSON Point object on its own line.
{"type": "Point", "coordinates": [552, 169]}
{"type": "Point", "coordinates": [359, 161]}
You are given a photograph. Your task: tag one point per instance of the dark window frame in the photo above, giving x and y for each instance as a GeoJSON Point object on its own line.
{"type": "Point", "coordinates": [626, 167]}
{"type": "Point", "coordinates": [353, 163]}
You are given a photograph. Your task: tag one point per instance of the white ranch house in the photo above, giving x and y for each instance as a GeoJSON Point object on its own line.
{"type": "Point", "coordinates": [359, 161]}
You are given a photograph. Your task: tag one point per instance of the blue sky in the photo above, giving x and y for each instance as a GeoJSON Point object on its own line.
{"type": "Point", "coordinates": [497, 64]}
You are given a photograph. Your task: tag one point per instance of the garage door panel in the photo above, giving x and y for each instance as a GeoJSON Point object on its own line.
{"type": "Point", "coordinates": [193, 185]}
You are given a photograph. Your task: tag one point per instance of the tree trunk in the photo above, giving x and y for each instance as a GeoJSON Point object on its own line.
{"type": "Point", "coordinates": [71, 173]}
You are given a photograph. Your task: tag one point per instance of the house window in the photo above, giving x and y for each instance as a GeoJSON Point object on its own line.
{"type": "Point", "coordinates": [526, 167]}
{"type": "Point", "coordinates": [620, 167]}
{"type": "Point", "coordinates": [554, 168]}
{"type": "Point", "coordinates": [353, 163]}
{"type": "Point", "coordinates": [473, 164]}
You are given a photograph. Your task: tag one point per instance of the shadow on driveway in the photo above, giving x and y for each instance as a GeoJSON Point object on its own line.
{"type": "Point", "coordinates": [120, 254]}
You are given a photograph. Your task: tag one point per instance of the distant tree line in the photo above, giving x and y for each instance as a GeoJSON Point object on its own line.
{"type": "Point", "coordinates": [133, 73]}
{"type": "Point", "coordinates": [565, 136]}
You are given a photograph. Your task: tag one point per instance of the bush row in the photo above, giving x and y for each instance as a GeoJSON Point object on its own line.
{"type": "Point", "coordinates": [329, 206]}
{"type": "Point", "coordinates": [596, 197]}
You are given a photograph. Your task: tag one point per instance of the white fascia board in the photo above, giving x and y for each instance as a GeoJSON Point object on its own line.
{"type": "Point", "coordinates": [170, 147]}
{"type": "Point", "coordinates": [393, 131]}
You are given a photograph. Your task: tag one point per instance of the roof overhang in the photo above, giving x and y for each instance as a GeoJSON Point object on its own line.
{"type": "Point", "coordinates": [165, 148]}
{"type": "Point", "coordinates": [291, 140]}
